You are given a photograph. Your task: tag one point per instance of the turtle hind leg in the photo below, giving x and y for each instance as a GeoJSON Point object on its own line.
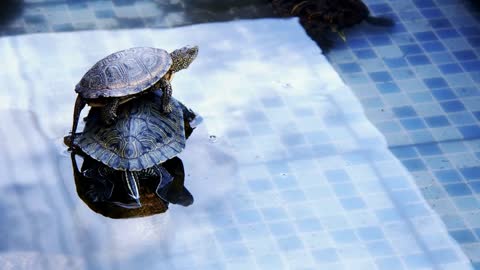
{"type": "Point", "coordinates": [167, 94]}
{"type": "Point", "coordinates": [109, 111]}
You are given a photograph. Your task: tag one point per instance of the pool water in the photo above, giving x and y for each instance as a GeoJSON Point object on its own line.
{"type": "Point", "coordinates": [291, 168]}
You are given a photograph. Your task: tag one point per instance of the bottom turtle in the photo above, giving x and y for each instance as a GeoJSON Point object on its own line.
{"type": "Point", "coordinates": [139, 141]}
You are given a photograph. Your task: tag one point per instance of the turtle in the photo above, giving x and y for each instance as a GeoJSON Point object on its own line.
{"type": "Point", "coordinates": [126, 74]}
{"type": "Point", "coordinates": [138, 142]}
{"type": "Point", "coordinates": [321, 16]}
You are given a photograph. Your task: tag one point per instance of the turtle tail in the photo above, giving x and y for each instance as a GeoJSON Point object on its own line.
{"type": "Point", "coordinates": [380, 21]}
{"type": "Point", "coordinates": [79, 105]}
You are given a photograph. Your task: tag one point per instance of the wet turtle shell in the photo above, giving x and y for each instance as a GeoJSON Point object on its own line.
{"type": "Point", "coordinates": [140, 138]}
{"type": "Point", "coordinates": [124, 73]}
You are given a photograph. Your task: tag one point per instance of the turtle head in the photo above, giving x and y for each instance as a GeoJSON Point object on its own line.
{"type": "Point", "coordinates": [183, 57]}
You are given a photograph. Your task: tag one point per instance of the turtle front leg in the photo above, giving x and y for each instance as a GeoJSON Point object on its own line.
{"type": "Point", "coordinates": [109, 111]}
{"type": "Point", "coordinates": [167, 94]}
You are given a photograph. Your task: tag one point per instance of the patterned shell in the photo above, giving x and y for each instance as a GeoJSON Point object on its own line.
{"type": "Point", "coordinates": [124, 73]}
{"type": "Point", "coordinates": [140, 138]}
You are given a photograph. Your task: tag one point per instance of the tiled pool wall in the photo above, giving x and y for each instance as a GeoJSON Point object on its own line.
{"type": "Point", "coordinates": [72, 15]}
{"type": "Point", "coordinates": [419, 85]}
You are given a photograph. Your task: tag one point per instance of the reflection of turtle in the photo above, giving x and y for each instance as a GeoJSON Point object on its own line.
{"type": "Point", "coordinates": [95, 186]}
{"type": "Point", "coordinates": [321, 16]}
{"type": "Point", "coordinates": [123, 75]}
{"type": "Point", "coordinates": [140, 139]}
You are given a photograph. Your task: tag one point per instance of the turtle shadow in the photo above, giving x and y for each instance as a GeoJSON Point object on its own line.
{"type": "Point", "coordinates": [106, 196]}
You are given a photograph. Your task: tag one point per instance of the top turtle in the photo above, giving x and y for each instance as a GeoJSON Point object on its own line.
{"type": "Point", "coordinates": [123, 75]}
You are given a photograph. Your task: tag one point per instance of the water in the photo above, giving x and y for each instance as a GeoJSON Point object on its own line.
{"type": "Point", "coordinates": [295, 178]}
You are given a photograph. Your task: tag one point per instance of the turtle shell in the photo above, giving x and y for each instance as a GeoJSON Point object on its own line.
{"type": "Point", "coordinates": [140, 138]}
{"type": "Point", "coordinates": [124, 73]}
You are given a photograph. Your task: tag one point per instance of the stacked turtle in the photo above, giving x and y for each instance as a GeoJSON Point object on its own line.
{"type": "Point", "coordinates": [134, 125]}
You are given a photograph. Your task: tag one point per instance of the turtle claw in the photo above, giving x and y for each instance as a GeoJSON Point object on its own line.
{"type": "Point", "coordinates": [167, 108]}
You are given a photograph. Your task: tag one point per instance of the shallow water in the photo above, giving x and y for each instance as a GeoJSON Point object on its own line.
{"type": "Point", "coordinates": [285, 169]}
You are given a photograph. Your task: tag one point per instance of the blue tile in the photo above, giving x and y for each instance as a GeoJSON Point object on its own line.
{"type": "Point", "coordinates": [425, 36]}
{"type": "Point", "coordinates": [474, 41]}
{"type": "Point", "coordinates": [389, 263]}
{"type": "Point", "coordinates": [428, 149]}
{"type": "Point", "coordinates": [411, 49]}
{"type": "Point", "coordinates": [465, 55]}
{"type": "Point", "coordinates": [424, 3]}
{"type": "Point", "coordinates": [380, 76]}
{"type": "Point", "coordinates": [404, 152]}
{"type": "Point", "coordinates": [380, 40]}
{"type": "Point", "coordinates": [430, 13]}
{"type": "Point", "coordinates": [337, 176]}
{"type": "Point", "coordinates": [470, 132]}
{"type": "Point", "coordinates": [370, 233]}
{"type": "Point", "coordinates": [441, 23]}
{"type": "Point", "coordinates": [388, 215]}
{"type": "Point", "coordinates": [355, 203]}
{"type": "Point", "coordinates": [437, 121]}
{"type": "Point", "coordinates": [471, 173]}
{"type": "Point", "coordinates": [443, 94]}
{"type": "Point", "coordinates": [447, 33]}
{"type": "Point", "coordinates": [405, 111]}
{"type": "Point", "coordinates": [228, 235]}
{"type": "Point", "coordinates": [463, 236]}
{"type": "Point", "coordinates": [471, 66]}
{"type": "Point", "coordinates": [459, 189]}
{"type": "Point", "coordinates": [380, 8]}
{"type": "Point", "coordinates": [248, 216]}
{"type": "Point", "coordinates": [475, 186]}
{"type": "Point", "coordinates": [358, 43]}
{"type": "Point", "coordinates": [281, 228]}
{"type": "Point", "coordinates": [309, 225]}
{"type": "Point", "coordinates": [444, 256]}
{"type": "Point", "coordinates": [290, 243]}
{"type": "Point", "coordinates": [470, 31]}
{"type": "Point", "coordinates": [414, 164]}
{"type": "Point", "coordinates": [344, 190]}
{"type": "Point", "coordinates": [380, 249]}
{"type": "Point", "coordinates": [442, 58]}
{"type": "Point", "coordinates": [420, 97]}
{"type": "Point", "coordinates": [395, 62]}
{"type": "Point", "coordinates": [433, 83]}
{"type": "Point", "coordinates": [274, 213]}
{"type": "Point", "coordinates": [325, 255]}
{"type": "Point", "coordinates": [452, 106]}
{"type": "Point", "coordinates": [365, 54]}
{"type": "Point", "coordinates": [417, 261]}
{"type": "Point", "coordinates": [448, 176]}
{"type": "Point", "coordinates": [450, 69]}
{"type": "Point", "coordinates": [104, 14]}
{"type": "Point", "coordinates": [350, 67]}
{"type": "Point", "coordinates": [260, 185]}
{"type": "Point", "coordinates": [344, 236]}
{"type": "Point", "coordinates": [418, 60]}
{"type": "Point", "coordinates": [433, 46]}
{"type": "Point", "coordinates": [389, 87]}
{"type": "Point", "coordinates": [462, 118]}
{"type": "Point", "coordinates": [412, 124]}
